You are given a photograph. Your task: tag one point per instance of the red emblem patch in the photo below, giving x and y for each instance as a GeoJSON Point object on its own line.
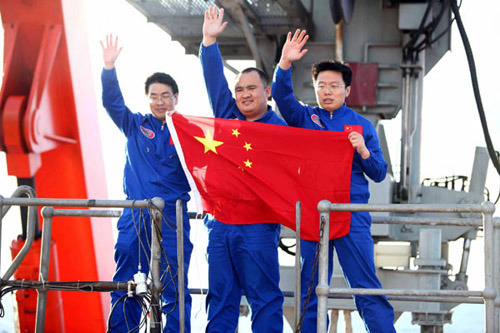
{"type": "Point", "coordinates": [147, 132]}
{"type": "Point", "coordinates": [316, 120]}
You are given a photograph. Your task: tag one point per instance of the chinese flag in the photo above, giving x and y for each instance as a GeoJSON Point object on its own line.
{"type": "Point", "coordinates": [247, 172]}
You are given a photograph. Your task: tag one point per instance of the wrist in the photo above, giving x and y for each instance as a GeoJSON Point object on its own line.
{"type": "Point", "coordinates": [365, 153]}
{"type": "Point", "coordinates": [208, 40]}
{"type": "Point", "coordinates": [285, 64]}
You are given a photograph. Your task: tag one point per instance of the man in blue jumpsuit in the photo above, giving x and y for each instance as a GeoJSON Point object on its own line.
{"type": "Point", "coordinates": [152, 169]}
{"type": "Point", "coordinates": [332, 81]}
{"type": "Point", "coordinates": [241, 257]}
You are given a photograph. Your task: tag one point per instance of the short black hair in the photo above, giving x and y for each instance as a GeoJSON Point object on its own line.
{"type": "Point", "coordinates": [332, 65]}
{"type": "Point", "coordinates": [263, 76]}
{"type": "Point", "coordinates": [161, 78]}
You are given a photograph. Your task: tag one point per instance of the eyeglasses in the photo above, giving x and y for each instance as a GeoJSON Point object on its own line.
{"type": "Point", "coordinates": [156, 99]}
{"type": "Point", "coordinates": [331, 87]}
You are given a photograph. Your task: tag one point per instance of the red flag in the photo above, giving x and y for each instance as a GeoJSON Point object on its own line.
{"type": "Point", "coordinates": [249, 172]}
{"type": "Point", "coordinates": [353, 128]}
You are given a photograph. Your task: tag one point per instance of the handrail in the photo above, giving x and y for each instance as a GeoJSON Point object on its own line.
{"type": "Point", "coordinates": [77, 203]}
{"type": "Point", "coordinates": [491, 233]}
{"type": "Point", "coordinates": [48, 212]}
{"type": "Point", "coordinates": [31, 227]}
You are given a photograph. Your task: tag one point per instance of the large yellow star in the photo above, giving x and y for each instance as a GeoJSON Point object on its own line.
{"type": "Point", "coordinates": [248, 164]}
{"type": "Point", "coordinates": [247, 146]}
{"type": "Point", "coordinates": [209, 142]}
{"type": "Point", "coordinates": [236, 132]}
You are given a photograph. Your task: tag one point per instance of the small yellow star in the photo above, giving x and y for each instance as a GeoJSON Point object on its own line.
{"type": "Point", "coordinates": [235, 132]}
{"type": "Point", "coordinates": [247, 146]}
{"type": "Point", "coordinates": [241, 168]}
{"type": "Point", "coordinates": [209, 142]}
{"type": "Point", "coordinates": [248, 164]}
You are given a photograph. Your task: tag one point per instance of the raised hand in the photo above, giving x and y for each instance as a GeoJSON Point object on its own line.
{"type": "Point", "coordinates": [213, 25]}
{"type": "Point", "coordinates": [293, 48]}
{"type": "Point", "coordinates": [110, 51]}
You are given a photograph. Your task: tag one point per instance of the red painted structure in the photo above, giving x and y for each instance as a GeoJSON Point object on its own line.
{"type": "Point", "coordinates": [49, 132]}
{"type": "Point", "coordinates": [364, 84]}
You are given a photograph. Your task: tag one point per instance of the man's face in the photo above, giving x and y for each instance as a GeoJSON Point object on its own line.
{"type": "Point", "coordinates": [161, 100]}
{"type": "Point", "coordinates": [251, 95]}
{"type": "Point", "coordinates": [331, 91]}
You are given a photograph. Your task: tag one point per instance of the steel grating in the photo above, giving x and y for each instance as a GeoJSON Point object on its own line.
{"type": "Point", "coordinates": [183, 19]}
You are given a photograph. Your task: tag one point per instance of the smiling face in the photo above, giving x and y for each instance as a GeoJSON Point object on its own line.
{"type": "Point", "coordinates": [161, 100]}
{"type": "Point", "coordinates": [251, 95]}
{"type": "Point", "coordinates": [331, 91]}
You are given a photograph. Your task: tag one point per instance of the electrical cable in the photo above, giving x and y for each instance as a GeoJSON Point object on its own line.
{"type": "Point", "coordinates": [138, 232]}
{"type": "Point", "coordinates": [426, 42]}
{"type": "Point", "coordinates": [441, 34]}
{"type": "Point", "coordinates": [168, 270]}
{"type": "Point", "coordinates": [475, 86]}
{"type": "Point", "coordinates": [142, 304]}
{"type": "Point", "coordinates": [286, 248]}
{"type": "Point", "coordinates": [409, 46]}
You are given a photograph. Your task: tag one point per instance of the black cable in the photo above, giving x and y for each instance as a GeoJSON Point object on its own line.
{"type": "Point", "coordinates": [4, 292]}
{"type": "Point", "coordinates": [409, 46]}
{"type": "Point", "coordinates": [426, 42]}
{"type": "Point", "coordinates": [475, 86]}
{"type": "Point", "coordinates": [168, 269]}
{"type": "Point", "coordinates": [440, 35]}
{"type": "Point", "coordinates": [142, 304]}
{"type": "Point", "coordinates": [138, 232]}
{"type": "Point", "coordinates": [286, 248]}
{"type": "Point", "coordinates": [145, 247]}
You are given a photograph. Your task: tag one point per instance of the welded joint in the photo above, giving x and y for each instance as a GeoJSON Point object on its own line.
{"type": "Point", "coordinates": [488, 207]}
{"type": "Point", "coordinates": [489, 294]}
{"type": "Point", "coordinates": [322, 290]}
{"type": "Point", "coordinates": [47, 212]}
{"type": "Point", "coordinates": [324, 206]}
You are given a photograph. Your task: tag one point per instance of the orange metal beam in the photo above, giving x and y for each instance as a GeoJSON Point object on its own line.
{"type": "Point", "coordinates": [49, 131]}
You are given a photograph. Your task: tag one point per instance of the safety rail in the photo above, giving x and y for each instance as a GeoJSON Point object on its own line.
{"type": "Point", "coordinates": [490, 294]}
{"type": "Point", "coordinates": [48, 213]}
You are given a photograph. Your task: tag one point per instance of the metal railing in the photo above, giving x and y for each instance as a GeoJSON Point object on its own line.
{"type": "Point", "coordinates": [490, 294]}
{"type": "Point", "coordinates": [48, 213]}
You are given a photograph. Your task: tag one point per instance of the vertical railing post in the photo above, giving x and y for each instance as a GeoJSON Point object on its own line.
{"type": "Point", "coordinates": [180, 263]}
{"type": "Point", "coordinates": [489, 264]}
{"type": "Point", "coordinates": [496, 279]}
{"type": "Point", "coordinates": [47, 214]}
{"type": "Point", "coordinates": [31, 229]}
{"type": "Point", "coordinates": [297, 296]}
{"type": "Point", "coordinates": [322, 289]}
{"type": "Point", "coordinates": [156, 287]}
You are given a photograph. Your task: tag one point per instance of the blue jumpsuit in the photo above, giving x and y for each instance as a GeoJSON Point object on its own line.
{"type": "Point", "coordinates": [152, 169]}
{"type": "Point", "coordinates": [240, 257]}
{"type": "Point", "coordinates": [355, 250]}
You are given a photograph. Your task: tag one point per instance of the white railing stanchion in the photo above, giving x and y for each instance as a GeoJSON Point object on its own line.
{"type": "Point", "coordinates": [323, 285]}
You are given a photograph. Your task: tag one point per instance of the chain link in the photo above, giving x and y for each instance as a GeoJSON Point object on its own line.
{"type": "Point", "coordinates": [310, 285]}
